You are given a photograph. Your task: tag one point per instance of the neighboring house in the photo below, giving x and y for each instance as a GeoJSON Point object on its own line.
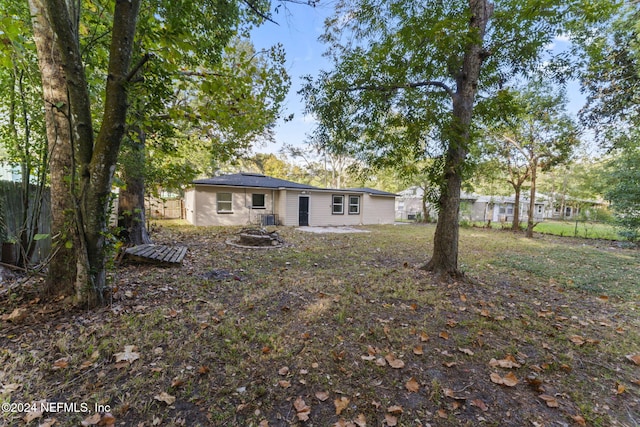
{"type": "Point", "coordinates": [474, 207]}
{"type": "Point", "coordinates": [499, 208]}
{"type": "Point", "coordinates": [566, 207]}
{"type": "Point", "coordinates": [251, 198]}
{"type": "Point", "coordinates": [409, 205]}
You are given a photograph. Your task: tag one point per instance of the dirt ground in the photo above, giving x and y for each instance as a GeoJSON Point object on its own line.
{"type": "Point", "coordinates": [335, 330]}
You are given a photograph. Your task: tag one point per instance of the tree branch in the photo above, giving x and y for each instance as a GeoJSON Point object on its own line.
{"type": "Point", "coordinates": [137, 67]}
{"type": "Point", "coordinates": [255, 10]}
{"type": "Point", "coordinates": [415, 85]}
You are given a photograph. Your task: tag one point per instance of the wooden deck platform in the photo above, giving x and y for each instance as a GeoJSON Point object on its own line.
{"type": "Point", "coordinates": [157, 254]}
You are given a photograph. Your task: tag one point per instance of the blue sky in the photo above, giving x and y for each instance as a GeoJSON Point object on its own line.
{"type": "Point", "coordinates": [298, 30]}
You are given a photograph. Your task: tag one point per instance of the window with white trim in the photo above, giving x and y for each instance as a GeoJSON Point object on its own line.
{"type": "Point", "coordinates": [224, 202]}
{"type": "Point", "coordinates": [354, 205]}
{"type": "Point", "coordinates": [337, 205]}
{"type": "Point", "coordinates": [258, 201]}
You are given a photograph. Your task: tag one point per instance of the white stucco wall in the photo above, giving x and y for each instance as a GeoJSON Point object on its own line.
{"type": "Point", "coordinates": [321, 213]}
{"type": "Point", "coordinates": [202, 206]}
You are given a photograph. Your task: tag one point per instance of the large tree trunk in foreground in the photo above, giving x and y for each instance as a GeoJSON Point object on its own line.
{"type": "Point", "coordinates": [62, 272]}
{"type": "Point", "coordinates": [444, 262]}
{"type": "Point", "coordinates": [94, 163]}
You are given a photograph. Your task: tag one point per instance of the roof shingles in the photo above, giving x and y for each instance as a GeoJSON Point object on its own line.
{"type": "Point", "coordinates": [256, 180]}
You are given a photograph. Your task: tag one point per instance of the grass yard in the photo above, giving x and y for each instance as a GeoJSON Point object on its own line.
{"type": "Point", "coordinates": [339, 329]}
{"type": "Point", "coordinates": [584, 229]}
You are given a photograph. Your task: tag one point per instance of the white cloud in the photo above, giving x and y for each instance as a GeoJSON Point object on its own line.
{"type": "Point", "coordinates": [309, 119]}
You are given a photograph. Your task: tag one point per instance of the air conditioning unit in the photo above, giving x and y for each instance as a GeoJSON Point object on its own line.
{"type": "Point", "coordinates": [268, 219]}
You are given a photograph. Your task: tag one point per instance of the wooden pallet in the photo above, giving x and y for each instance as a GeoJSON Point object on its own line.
{"type": "Point", "coordinates": [157, 254]}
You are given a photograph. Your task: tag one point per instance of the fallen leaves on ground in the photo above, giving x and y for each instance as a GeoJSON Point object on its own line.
{"type": "Point", "coordinates": [466, 351]}
{"type": "Point", "coordinates": [128, 355]}
{"type": "Point", "coordinates": [634, 358]}
{"type": "Point", "coordinates": [551, 401]}
{"type": "Point", "coordinates": [165, 397]}
{"type": "Point", "coordinates": [393, 361]}
{"type": "Point", "coordinates": [412, 385]}
{"type": "Point", "coordinates": [61, 363]}
{"type": "Point", "coordinates": [322, 395]}
{"type": "Point", "coordinates": [10, 388]}
{"type": "Point", "coordinates": [284, 370]}
{"type": "Point", "coordinates": [103, 420]}
{"type": "Point", "coordinates": [341, 404]}
{"type": "Point", "coordinates": [509, 380]}
{"type": "Point", "coordinates": [480, 404]}
{"type": "Point", "coordinates": [302, 410]}
{"type": "Point", "coordinates": [508, 362]}
{"type": "Point", "coordinates": [16, 315]}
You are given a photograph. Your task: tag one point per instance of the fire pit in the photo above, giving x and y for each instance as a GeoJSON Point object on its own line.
{"type": "Point", "coordinates": [256, 238]}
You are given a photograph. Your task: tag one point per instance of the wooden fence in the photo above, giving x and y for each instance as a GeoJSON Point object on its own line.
{"type": "Point", "coordinates": [19, 217]}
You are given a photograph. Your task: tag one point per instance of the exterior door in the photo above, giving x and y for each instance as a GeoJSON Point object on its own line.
{"type": "Point", "coordinates": [303, 211]}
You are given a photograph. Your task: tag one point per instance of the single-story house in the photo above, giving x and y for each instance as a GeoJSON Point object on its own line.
{"type": "Point", "coordinates": [474, 207]}
{"type": "Point", "coordinates": [253, 198]}
{"type": "Point", "coordinates": [566, 207]}
{"type": "Point", "coordinates": [499, 208]}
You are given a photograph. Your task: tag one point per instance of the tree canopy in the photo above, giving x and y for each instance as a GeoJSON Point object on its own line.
{"type": "Point", "coordinates": [412, 80]}
{"type": "Point", "coordinates": [122, 68]}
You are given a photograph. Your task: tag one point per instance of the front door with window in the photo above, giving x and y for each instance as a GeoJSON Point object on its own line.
{"type": "Point", "coordinates": [303, 211]}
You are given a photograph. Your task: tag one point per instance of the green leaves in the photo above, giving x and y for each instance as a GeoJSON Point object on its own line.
{"type": "Point", "coordinates": [625, 191]}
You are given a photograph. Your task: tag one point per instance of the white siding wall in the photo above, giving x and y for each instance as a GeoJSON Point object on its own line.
{"type": "Point", "coordinates": [290, 208]}
{"type": "Point", "coordinates": [378, 209]}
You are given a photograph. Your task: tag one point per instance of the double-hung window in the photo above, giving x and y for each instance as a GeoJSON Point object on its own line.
{"type": "Point", "coordinates": [354, 205]}
{"type": "Point", "coordinates": [224, 202]}
{"type": "Point", "coordinates": [258, 201]}
{"type": "Point", "coordinates": [337, 205]}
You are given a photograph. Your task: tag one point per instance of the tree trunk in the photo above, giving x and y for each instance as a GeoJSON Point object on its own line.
{"type": "Point", "coordinates": [131, 212]}
{"type": "Point", "coordinates": [96, 185]}
{"type": "Point", "coordinates": [62, 272]}
{"type": "Point", "coordinates": [515, 226]}
{"type": "Point", "coordinates": [444, 262]}
{"type": "Point", "coordinates": [426, 218]}
{"type": "Point", "coordinates": [532, 197]}
{"type": "Point", "coordinates": [95, 163]}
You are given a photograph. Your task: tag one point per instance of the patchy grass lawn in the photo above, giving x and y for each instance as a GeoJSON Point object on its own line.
{"type": "Point", "coordinates": [337, 329]}
{"type": "Point", "coordinates": [584, 229]}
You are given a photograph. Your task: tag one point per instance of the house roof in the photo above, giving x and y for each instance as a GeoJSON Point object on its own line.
{"type": "Point", "coordinates": [372, 191]}
{"type": "Point", "coordinates": [256, 180]}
